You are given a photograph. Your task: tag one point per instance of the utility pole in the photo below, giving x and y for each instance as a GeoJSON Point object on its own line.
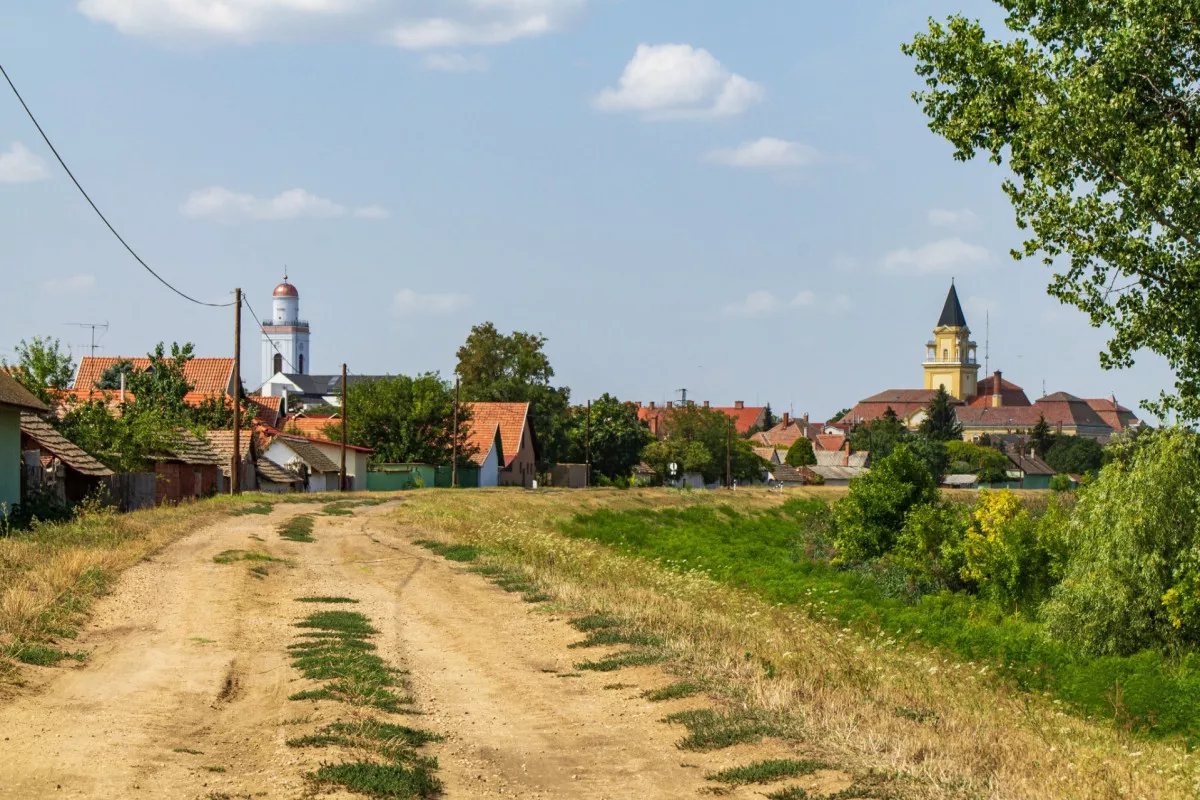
{"type": "Point", "coordinates": [728, 458]}
{"type": "Point", "coordinates": [345, 412]}
{"type": "Point", "coordinates": [587, 478]}
{"type": "Point", "coordinates": [454, 464]}
{"type": "Point", "coordinates": [236, 468]}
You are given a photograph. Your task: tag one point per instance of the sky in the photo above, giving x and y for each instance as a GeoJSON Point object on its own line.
{"type": "Point", "coordinates": [740, 199]}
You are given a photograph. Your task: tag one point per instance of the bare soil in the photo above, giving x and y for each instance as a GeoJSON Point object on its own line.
{"type": "Point", "coordinates": [190, 655]}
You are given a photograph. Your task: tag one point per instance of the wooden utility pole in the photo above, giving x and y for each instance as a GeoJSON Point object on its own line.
{"type": "Point", "coordinates": [728, 461]}
{"type": "Point", "coordinates": [345, 413]}
{"type": "Point", "coordinates": [235, 471]}
{"type": "Point", "coordinates": [587, 478]}
{"type": "Point", "coordinates": [454, 463]}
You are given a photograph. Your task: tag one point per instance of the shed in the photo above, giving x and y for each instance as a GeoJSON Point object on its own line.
{"type": "Point", "coordinates": [189, 470]}
{"type": "Point", "coordinates": [838, 476]}
{"type": "Point", "coordinates": [960, 481]}
{"type": "Point", "coordinates": [222, 442]}
{"type": "Point", "coordinates": [64, 466]}
{"type": "Point", "coordinates": [274, 479]}
{"type": "Point", "coordinates": [1031, 471]}
{"type": "Point", "coordinates": [304, 457]}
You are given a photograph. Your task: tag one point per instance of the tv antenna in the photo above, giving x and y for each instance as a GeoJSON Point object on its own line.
{"type": "Point", "coordinates": [682, 396]}
{"type": "Point", "coordinates": [103, 326]}
{"type": "Point", "coordinates": [987, 344]}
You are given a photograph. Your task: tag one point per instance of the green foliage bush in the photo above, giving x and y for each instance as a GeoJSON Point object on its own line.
{"type": "Point", "coordinates": [871, 516]}
{"type": "Point", "coordinates": [930, 544]}
{"type": "Point", "coordinates": [801, 454]}
{"type": "Point", "coordinates": [1075, 454]}
{"type": "Point", "coordinates": [1012, 557]}
{"type": "Point", "coordinates": [1061, 483]}
{"type": "Point", "coordinates": [1134, 577]}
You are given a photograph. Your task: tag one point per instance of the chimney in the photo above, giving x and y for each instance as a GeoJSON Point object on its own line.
{"type": "Point", "coordinates": [1059, 428]}
{"type": "Point", "coordinates": [652, 404]}
{"type": "Point", "coordinates": [122, 387]}
{"type": "Point", "coordinates": [787, 419]}
{"type": "Point", "coordinates": [639, 404]}
{"type": "Point", "coordinates": [691, 403]}
{"type": "Point", "coordinates": [706, 404]}
{"type": "Point", "coordinates": [670, 404]}
{"type": "Point", "coordinates": [805, 418]}
{"type": "Point", "coordinates": [739, 404]}
{"type": "Point", "coordinates": [846, 458]}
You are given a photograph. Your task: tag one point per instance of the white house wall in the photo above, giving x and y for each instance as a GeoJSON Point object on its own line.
{"type": "Point", "coordinates": [489, 472]}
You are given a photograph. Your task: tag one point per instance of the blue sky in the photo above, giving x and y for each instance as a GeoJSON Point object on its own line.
{"type": "Point", "coordinates": [736, 198]}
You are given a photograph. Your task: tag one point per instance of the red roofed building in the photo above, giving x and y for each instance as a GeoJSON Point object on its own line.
{"type": "Point", "coordinates": [519, 447]}
{"type": "Point", "coordinates": [995, 391]}
{"type": "Point", "coordinates": [209, 377]}
{"type": "Point", "coordinates": [745, 418]}
{"type": "Point", "coordinates": [908, 404]}
{"type": "Point", "coordinates": [1065, 413]}
{"type": "Point", "coordinates": [788, 431]}
{"type": "Point", "coordinates": [1115, 415]}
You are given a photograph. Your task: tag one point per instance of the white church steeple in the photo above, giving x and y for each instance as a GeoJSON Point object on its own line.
{"type": "Point", "coordinates": [285, 335]}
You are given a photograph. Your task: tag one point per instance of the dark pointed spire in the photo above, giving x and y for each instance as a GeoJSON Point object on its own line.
{"type": "Point", "coordinates": [952, 313]}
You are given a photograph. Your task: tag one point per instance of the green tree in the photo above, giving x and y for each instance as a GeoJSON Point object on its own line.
{"type": "Point", "coordinates": [1094, 107]}
{"type": "Point", "coordinates": [967, 458]}
{"type": "Point", "coordinates": [1041, 437]}
{"type": "Point", "coordinates": [801, 454]}
{"type": "Point", "coordinates": [110, 379]}
{"type": "Point", "coordinates": [406, 420]}
{"type": "Point", "coordinates": [714, 430]}
{"type": "Point", "coordinates": [931, 452]}
{"type": "Point", "coordinates": [1075, 455]}
{"type": "Point", "coordinates": [124, 441]}
{"type": "Point", "coordinates": [941, 423]}
{"type": "Point", "coordinates": [1134, 576]}
{"type": "Point", "coordinates": [872, 515]}
{"type": "Point", "coordinates": [687, 456]}
{"type": "Point", "coordinates": [839, 416]}
{"type": "Point", "coordinates": [618, 437]}
{"type": "Point", "coordinates": [41, 366]}
{"type": "Point", "coordinates": [514, 368]}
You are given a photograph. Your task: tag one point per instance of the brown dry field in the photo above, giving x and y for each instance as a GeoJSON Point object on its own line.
{"type": "Point", "coordinates": [189, 654]}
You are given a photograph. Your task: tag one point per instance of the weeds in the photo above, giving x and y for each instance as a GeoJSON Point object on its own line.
{"type": "Point", "coordinates": [379, 780]}
{"type": "Point", "coordinates": [345, 508]}
{"type": "Point", "coordinates": [259, 572]}
{"type": "Point", "coordinates": [629, 658]}
{"type": "Point", "coordinates": [766, 771]}
{"type": "Point", "coordinates": [254, 508]}
{"type": "Point", "coordinates": [612, 636]}
{"type": "Point", "coordinates": [188, 751]}
{"type": "Point", "coordinates": [344, 658]}
{"type": "Point", "coordinates": [676, 691]}
{"type": "Point", "coordinates": [330, 600]}
{"type": "Point", "coordinates": [715, 730]}
{"type": "Point", "coordinates": [40, 655]}
{"type": "Point", "coordinates": [231, 556]}
{"type": "Point", "coordinates": [595, 622]}
{"type": "Point", "coordinates": [215, 769]}
{"type": "Point", "coordinates": [618, 686]}
{"type": "Point", "coordinates": [451, 552]}
{"type": "Point", "coordinates": [297, 529]}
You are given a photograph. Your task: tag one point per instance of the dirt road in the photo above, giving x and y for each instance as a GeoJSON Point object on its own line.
{"type": "Point", "coordinates": [185, 692]}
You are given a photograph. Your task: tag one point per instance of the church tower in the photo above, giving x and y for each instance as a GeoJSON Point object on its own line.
{"type": "Point", "coordinates": [285, 335]}
{"type": "Point", "coordinates": [950, 359]}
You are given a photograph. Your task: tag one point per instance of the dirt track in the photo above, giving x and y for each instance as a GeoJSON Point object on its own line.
{"type": "Point", "coordinates": [191, 654]}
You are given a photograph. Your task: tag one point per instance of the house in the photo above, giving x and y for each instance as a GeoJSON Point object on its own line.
{"type": "Point", "coordinates": [484, 439]}
{"type": "Point", "coordinates": [994, 391]}
{"type": "Point", "coordinates": [838, 475]}
{"type": "Point", "coordinates": [300, 456]}
{"type": "Point", "coordinates": [189, 470]}
{"type": "Point", "coordinates": [1115, 415]}
{"type": "Point", "coordinates": [209, 377]}
{"type": "Point", "coordinates": [322, 459]}
{"type": "Point", "coordinates": [14, 399]}
{"type": "Point", "coordinates": [909, 405]}
{"type": "Point", "coordinates": [960, 482]}
{"type": "Point", "coordinates": [786, 475]}
{"type": "Point", "coordinates": [222, 442]}
{"type": "Point", "coordinates": [518, 439]}
{"type": "Point", "coordinates": [311, 427]}
{"type": "Point", "coordinates": [67, 469]}
{"type": "Point", "coordinates": [267, 410]}
{"type": "Point", "coordinates": [771, 455]}
{"type": "Point", "coordinates": [788, 431]}
{"type": "Point", "coordinates": [829, 442]}
{"type": "Point", "coordinates": [1066, 413]}
{"type": "Point", "coordinates": [746, 419]}
{"type": "Point", "coordinates": [1029, 470]}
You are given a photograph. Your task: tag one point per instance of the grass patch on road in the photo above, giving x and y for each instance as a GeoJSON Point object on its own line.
{"type": "Point", "coordinates": [451, 552]}
{"type": "Point", "coordinates": [345, 508]}
{"type": "Point", "coordinates": [629, 658]}
{"type": "Point", "coordinates": [297, 529]}
{"type": "Point", "coordinates": [40, 655]}
{"type": "Point", "coordinates": [379, 780]}
{"type": "Point", "coordinates": [232, 556]}
{"type": "Point", "coordinates": [709, 729]}
{"type": "Point", "coordinates": [511, 581]}
{"type": "Point", "coordinates": [676, 691]}
{"type": "Point", "coordinates": [187, 751]}
{"type": "Point", "coordinates": [320, 599]}
{"type": "Point", "coordinates": [766, 771]}
{"type": "Point", "coordinates": [253, 508]}
{"type": "Point", "coordinates": [337, 650]}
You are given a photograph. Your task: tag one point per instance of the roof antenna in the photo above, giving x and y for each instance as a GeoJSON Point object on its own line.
{"type": "Point", "coordinates": [987, 343]}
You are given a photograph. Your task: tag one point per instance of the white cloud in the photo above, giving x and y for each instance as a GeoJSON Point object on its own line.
{"type": "Point", "coordinates": [411, 303]}
{"type": "Point", "coordinates": [20, 165]}
{"type": "Point", "coordinates": [69, 285]}
{"type": "Point", "coordinates": [223, 204]}
{"type": "Point", "coordinates": [454, 62]}
{"type": "Point", "coordinates": [944, 218]}
{"type": "Point", "coordinates": [766, 152]}
{"type": "Point", "coordinates": [415, 24]}
{"type": "Point", "coordinates": [804, 299]}
{"type": "Point", "coordinates": [940, 256]}
{"type": "Point", "coordinates": [678, 80]}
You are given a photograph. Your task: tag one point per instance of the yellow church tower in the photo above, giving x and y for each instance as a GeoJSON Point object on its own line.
{"type": "Point", "coordinates": [950, 356]}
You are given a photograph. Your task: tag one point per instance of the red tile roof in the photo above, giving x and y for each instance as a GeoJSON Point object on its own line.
{"type": "Point", "coordinates": [830, 443]}
{"type": "Point", "coordinates": [268, 408]}
{"type": "Point", "coordinates": [312, 427]}
{"type": "Point", "coordinates": [786, 435]}
{"type": "Point", "coordinates": [207, 375]}
{"type": "Point", "coordinates": [902, 401]}
{"type": "Point", "coordinates": [1010, 393]}
{"type": "Point", "coordinates": [481, 437]}
{"type": "Point", "coordinates": [1115, 415]}
{"type": "Point", "coordinates": [745, 418]}
{"type": "Point", "coordinates": [1059, 408]}
{"type": "Point", "coordinates": [510, 417]}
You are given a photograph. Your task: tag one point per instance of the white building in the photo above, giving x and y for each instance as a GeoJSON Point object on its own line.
{"type": "Point", "coordinates": [285, 335]}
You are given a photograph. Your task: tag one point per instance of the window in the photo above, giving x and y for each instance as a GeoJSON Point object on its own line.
{"type": "Point", "coordinates": [945, 354]}
{"type": "Point", "coordinates": [300, 366]}
{"type": "Point", "coordinates": [278, 363]}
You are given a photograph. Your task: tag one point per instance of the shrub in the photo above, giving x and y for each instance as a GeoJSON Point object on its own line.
{"type": "Point", "coordinates": [930, 545]}
{"type": "Point", "coordinates": [1061, 482]}
{"type": "Point", "coordinates": [872, 514]}
{"type": "Point", "coordinates": [1013, 557]}
{"type": "Point", "coordinates": [1076, 454]}
{"type": "Point", "coordinates": [1135, 568]}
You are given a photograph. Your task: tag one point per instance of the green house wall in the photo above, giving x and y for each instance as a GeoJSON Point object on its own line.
{"type": "Point", "coordinates": [10, 457]}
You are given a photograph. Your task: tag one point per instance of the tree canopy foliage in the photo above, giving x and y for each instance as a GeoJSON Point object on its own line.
{"type": "Point", "coordinates": [872, 515]}
{"type": "Point", "coordinates": [405, 419]}
{"type": "Point", "coordinates": [801, 454]}
{"type": "Point", "coordinates": [941, 423]}
{"type": "Point", "coordinates": [617, 437]}
{"type": "Point", "coordinates": [1095, 110]}
{"type": "Point", "coordinates": [41, 365]}
{"type": "Point", "coordinates": [514, 368]}
{"type": "Point", "coordinates": [1075, 455]}
{"type": "Point", "coordinates": [713, 430]}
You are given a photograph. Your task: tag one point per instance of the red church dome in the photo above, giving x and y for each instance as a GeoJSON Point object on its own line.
{"type": "Point", "coordinates": [285, 289]}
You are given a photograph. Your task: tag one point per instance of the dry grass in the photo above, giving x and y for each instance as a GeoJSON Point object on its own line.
{"type": "Point", "coordinates": [850, 697]}
{"type": "Point", "coordinates": [50, 575]}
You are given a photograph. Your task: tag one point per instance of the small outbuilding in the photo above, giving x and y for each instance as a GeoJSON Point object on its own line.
{"type": "Point", "coordinates": [303, 457]}
{"type": "Point", "coordinates": [62, 465]}
{"type": "Point", "coordinates": [14, 400]}
{"type": "Point", "coordinates": [222, 442]}
{"type": "Point", "coordinates": [191, 469]}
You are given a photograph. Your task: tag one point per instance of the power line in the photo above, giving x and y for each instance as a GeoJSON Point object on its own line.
{"type": "Point", "coordinates": [267, 335]}
{"type": "Point", "coordinates": [95, 208]}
